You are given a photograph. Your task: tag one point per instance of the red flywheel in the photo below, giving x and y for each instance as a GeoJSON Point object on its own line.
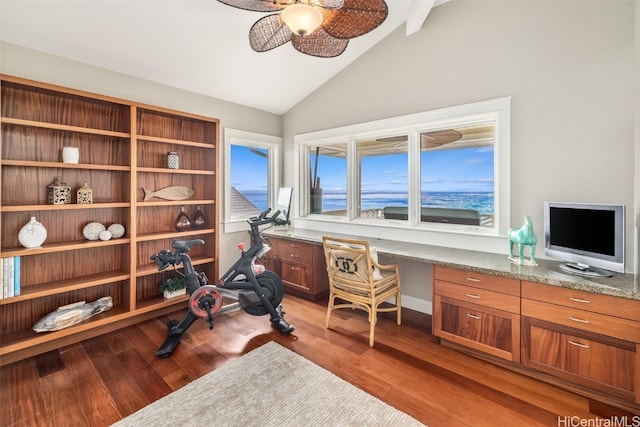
{"type": "Point", "coordinates": [203, 296]}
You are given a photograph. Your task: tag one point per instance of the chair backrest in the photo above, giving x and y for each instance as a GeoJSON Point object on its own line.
{"type": "Point", "coordinates": [349, 264]}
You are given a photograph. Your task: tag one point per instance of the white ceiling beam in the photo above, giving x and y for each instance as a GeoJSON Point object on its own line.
{"type": "Point", "coordinates": [418, 14]}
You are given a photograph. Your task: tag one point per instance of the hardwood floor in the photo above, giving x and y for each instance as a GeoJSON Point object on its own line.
{"type": "Point", "coordinates": [101, 380]}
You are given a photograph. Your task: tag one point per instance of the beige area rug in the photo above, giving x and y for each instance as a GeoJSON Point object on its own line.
{"type": "Point", "coordinates": [269, 386]}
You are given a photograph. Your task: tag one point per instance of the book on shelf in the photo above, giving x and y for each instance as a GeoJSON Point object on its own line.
{"type": "Point", "coordinates": [16, 276]}
{"type": "Point", "coordinates": [10, 274]}
{"type": "Point", "coordinates": [7, 277]}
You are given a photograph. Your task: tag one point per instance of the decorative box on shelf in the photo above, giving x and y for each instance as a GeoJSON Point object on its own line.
{"type": "Point", "coordinates": [59, 193]}
{"type": "Point", "coordinates": [85, 194]}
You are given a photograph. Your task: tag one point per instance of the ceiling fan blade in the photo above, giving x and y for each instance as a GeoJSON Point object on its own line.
{"type": "Point", "coordinates": [268, 33]}
{"type": "Point", "coordinates": [327, 4]}
{"type": "Point", "coordinates": [319, 43]}
{"type": "Point", "coordinates": [258, 5]}
{"type": "Point", "coordinates": [355, 18]}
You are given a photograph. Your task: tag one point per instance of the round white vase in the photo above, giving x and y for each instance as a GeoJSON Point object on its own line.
{"type": "Point", "coordinates": [70, 154]}
{"type": "Point", "coordinates": [32, 234]}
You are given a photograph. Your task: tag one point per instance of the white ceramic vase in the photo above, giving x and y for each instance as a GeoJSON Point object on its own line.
{"type": "Point", "coordinates": [70, 154]}
{"type": "Point", "coordinates": [32, 234]}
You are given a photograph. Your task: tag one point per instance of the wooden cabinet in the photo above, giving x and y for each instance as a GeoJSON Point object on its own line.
{"type": "Point", "coordinates": [479, 311]}
{"type": "Point", "coordinates": [586, 338]}
{"type": "Point", "coordinates": [301, 265]}
{"type": "Point", "coordinates": [122, 149]}
{"type": "Point", "coordinates": [581, 340]}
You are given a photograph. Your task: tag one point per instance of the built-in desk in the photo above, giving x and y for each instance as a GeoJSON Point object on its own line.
{"type": "Point", "coordinates": [547, 272]}
{"type": "Point", "coordinates": [582, 334]}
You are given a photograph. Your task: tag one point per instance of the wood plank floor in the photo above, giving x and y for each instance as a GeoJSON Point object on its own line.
{"type": "Point", "coordinates": [101, 380]}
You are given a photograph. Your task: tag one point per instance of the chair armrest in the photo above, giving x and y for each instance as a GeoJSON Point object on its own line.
{"type": "Point", "coordinates": [386, 267]}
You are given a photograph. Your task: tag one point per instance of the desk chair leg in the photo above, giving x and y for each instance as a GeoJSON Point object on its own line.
{"type": "Point", "coordinates": [332, 299]}
{"type": "Point", "coordinates": [373, 319]}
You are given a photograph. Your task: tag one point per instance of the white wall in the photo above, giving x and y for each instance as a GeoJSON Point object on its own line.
{"type": "Point", "coordinates": [27, 63]}
{"type": "Point", "coordinates": [569, 67]}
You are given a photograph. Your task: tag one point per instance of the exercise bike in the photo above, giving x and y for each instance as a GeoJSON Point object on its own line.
{"type": "Point", "coordinates": [247, 285]}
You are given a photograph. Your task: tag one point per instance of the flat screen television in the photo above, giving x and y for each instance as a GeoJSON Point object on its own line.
{"type": "Point", "coordinates": [589, 236]}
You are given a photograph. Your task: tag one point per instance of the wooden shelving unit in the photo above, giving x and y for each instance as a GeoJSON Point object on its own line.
{"type": "Point", "coordinates": [122, 148]}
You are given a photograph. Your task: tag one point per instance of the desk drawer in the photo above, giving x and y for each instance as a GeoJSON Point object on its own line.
{"type": "Point", "coordinates": [479, 296]}
{"type": "Point", "coordinates": [602, 365]}
{"type": "Point", "coordinates": [581, 319]}
{"type": "Point", "coordinates": [290, 255]}
{"type": "Point", "coordinates": [491, 331]}
{"type": "Point", "coordinates": [478, 280]}
{"type": "Point", "coordinates": [296, 247]}
{"type": "Point", "coordinates": [582, 300]}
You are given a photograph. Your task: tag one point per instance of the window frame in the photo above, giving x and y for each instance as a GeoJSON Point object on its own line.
{"type": "Point", "coordinates": [273, 146]}
{"type": "Point", "coordinates": [496, 110]}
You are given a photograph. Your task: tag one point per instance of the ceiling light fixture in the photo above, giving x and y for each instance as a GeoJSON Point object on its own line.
{"type": "Point", "coordinates": [302, 19]}
{"type": "Point", "coordinates": [340, 20]}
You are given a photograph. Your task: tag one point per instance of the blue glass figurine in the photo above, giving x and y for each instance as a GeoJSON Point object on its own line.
{"type": "Point", "coordinates": [523, 237]}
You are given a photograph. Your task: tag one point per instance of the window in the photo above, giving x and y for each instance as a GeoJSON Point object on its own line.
{"type": "Point", "coordinates": [438, 171]}
{"type": "Point", "coordinates": [251, 176]}
{"type": "Point", "coordinates": [328, 179]}
{"type": "Point", "coordinates": [457, 175]}
{"type": "Point", "coordinates": [384, 175]}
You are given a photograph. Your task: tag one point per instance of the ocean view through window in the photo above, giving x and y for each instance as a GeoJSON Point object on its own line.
{"type": "Point", "coordinates": [251, 175]}
{"type": "Point", "coordinates": [435, 171]}
{"type": "Point", "coordinates": [337, 201]}
{"type": "Point", "coordinates": [456, 170]}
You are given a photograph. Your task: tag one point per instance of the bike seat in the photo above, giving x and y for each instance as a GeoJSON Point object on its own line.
{"type": "Point", "coordinates": [184, 245]}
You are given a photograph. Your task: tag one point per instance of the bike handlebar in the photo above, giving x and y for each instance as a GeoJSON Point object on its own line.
{"type": "Point", "coordinates": [262, 218]}
{"type": "Point", "coordinates": [165, 258]}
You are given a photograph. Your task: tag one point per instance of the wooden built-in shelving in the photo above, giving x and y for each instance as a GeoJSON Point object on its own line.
{"type": "Point", "coordinates": [122, 148]}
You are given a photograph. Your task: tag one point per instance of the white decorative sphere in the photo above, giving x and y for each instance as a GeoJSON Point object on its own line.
{"type": "Point", "coordinates": [105, 235]}
{"type": "Point", "coordinates": [92, 230]}
{"type": "Point", "coordinates": [116, 230]}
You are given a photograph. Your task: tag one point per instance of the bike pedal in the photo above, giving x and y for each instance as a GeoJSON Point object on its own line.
{"type": "Point", "coordinates": [283, 327]}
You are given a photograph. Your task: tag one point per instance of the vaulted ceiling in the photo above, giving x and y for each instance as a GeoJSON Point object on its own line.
{"type": "Point", "coordinates": [196, 45]}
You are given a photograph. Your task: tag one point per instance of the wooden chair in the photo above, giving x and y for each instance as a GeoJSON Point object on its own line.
{"type": "Point", "coordinates": [356, 278]}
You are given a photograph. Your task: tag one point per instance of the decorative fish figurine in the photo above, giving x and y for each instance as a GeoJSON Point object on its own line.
{"type": "Point", "coordinates": [71, 314]}
{"type": "Point", "coordinates": [177, 192]}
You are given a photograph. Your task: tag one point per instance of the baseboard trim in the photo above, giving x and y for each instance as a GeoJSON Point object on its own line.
{"type": "Point", "coordinates": [417, 304]}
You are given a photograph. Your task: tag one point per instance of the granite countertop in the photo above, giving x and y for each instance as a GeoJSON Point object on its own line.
{"type": "Point", "coordinates": [548, 272]}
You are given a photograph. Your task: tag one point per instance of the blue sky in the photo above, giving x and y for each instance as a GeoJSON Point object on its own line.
{"type": "Point", "coordinates": [248, 169]}
{"type": "Point", "coordinates": [464, 169]}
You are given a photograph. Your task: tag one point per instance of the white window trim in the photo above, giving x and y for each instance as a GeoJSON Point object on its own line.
{"type": "Point", "coordinates": [466, 237]}
{"type": "Point", "coordinates": [268, 142]}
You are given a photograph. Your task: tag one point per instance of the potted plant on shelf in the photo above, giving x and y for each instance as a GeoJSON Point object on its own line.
{"type": "Point", "coordinates": [173, 286]}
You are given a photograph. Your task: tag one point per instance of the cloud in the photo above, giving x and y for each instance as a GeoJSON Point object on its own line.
{"type": "Point", "coordinates": [476, 181]}
{"type": "Point", "coordinates": [474, 161]}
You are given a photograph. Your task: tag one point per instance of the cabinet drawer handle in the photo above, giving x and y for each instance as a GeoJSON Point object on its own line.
{"type": "Point", "coordinates": [473, 296]}
{"type": "Point", "coordinates": [577, 344]}
{"type": "Point", "coordinates": [473, 279]}
{"type": "Point", "coordinates": [575, 319]}
{"type": "Point", "coordinates": [294, 256]}
{"type": "Point", "coordinates": [294, 268]}
{"type": "Point", "coordinates": [473, 316]}
{"type": "Point", "coordinates": [584, 301]}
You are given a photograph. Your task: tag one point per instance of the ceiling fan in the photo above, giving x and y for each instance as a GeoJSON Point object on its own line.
{"type": "Point", "coordinates": [315, 27]}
